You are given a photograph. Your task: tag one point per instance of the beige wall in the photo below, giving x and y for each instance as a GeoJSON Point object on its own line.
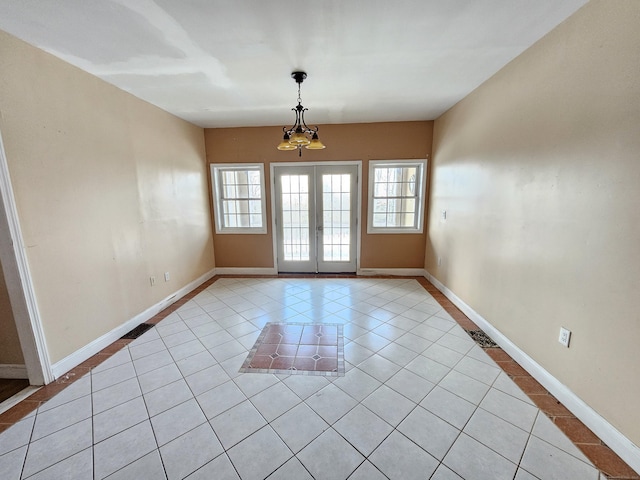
{"type": "Point", "coordinates": [10, 350]}
{"type": "Point", "coordinates": [539, 172]}
{"type": "Point", "coordinates": [109, 191]}
{"type": "Point", "coordinates": [371, 141]}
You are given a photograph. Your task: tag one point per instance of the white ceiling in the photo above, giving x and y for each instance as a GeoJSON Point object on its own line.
{"type": "Point", "coordinates": [221, 63]}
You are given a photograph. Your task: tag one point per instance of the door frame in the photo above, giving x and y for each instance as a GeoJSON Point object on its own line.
{"type": "Point", "coordinates": [272, 190]}
{"type": "Point", "coordinates": [20, 284]}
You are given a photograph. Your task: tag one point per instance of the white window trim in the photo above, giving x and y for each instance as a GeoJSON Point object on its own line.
{"type": "Point", "coordinates": [421, 184]}
{"type": "Point", "coordinates": [217, 200]}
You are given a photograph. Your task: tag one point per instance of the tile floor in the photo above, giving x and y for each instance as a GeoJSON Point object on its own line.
{"type": "Point", "coordinates": [419, 398]}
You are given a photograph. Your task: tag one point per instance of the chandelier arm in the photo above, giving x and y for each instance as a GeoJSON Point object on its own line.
{"type": "Point", "coordinates": [303, 124]}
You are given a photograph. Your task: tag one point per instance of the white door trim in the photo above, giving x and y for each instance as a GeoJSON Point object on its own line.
{"type": "Point", "coordinates": [19, 283]}
{"type": "Point", "coordinates": [274, 244]}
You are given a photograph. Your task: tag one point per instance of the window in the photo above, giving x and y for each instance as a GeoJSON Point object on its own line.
{"type": "Point", "coordinates": [239, 202]}
{"type": "Point", "coordinates": [396, 196]}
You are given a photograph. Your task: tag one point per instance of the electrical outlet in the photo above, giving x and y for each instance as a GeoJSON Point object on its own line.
{"type": "Point", "coordinates": [439, 260]}
{"type": "Point", "coordinates": [152, 280]}
{"type": "Point", "coordinates": [565, 336]}
{"type": "Point", "coordinates": [166, 276]}
{"type": "Point", "coordinates": [444, 214]}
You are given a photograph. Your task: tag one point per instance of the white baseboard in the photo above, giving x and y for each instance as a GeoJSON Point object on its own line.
{"type": "Point", "coordinates": [397, 272]}
{"type": "Point", "coordinates": [79, 356]}
{"type": "Point", "coordinates": [625, 448]}
{"type": "Point", "coordinates": [246, 271]}
{"type": "Point", "coordinates": [8, 370]}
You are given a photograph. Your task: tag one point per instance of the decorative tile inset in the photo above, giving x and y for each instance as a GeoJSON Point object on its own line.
{"type": "Point", "coordinates": [298, 348]}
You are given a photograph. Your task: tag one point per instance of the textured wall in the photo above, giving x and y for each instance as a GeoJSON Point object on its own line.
{"type": "Point", "coordinates": [109, 191]}
{"type": "Point", "coordinates": [538, 171]}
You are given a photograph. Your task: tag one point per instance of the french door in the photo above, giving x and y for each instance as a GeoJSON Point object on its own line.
{"type": "Point", "coordinates": [316, 218]}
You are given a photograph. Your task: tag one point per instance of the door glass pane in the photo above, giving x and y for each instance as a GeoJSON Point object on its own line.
{"type": "Point", "coordinates": [295, 216]}
{"type": "Point", "coordinates": [336, 232]}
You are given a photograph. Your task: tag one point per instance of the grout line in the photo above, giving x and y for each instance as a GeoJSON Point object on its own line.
{"type": "Point", "coordinates": [17, 412]}
{"type": "Point", "coordinates": [468, 325]}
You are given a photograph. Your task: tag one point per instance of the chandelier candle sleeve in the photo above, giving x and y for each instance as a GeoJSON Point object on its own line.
{"type": "Point", "coordinates": [300, 134]}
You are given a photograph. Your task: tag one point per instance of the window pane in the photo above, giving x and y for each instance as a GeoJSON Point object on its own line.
{"type": "Point", "coordinates": [243, 220]}
{"type": "Point", "coordinates": [255, 191]}
{"type": "Point", "coordinates": [242, 177]}
{"type": "Point", "coordinates": [255, 206]}
{"type": "Point", "coordinates": [379, 220]}
{"type": "Point", "coordinates": [380, 206]}
{"type": "Point", "coordinates": [408, 220]}
{"type": "Point", "coordinates": [409, 205]}
{"type": "Point", "coordinates": [256, 220]}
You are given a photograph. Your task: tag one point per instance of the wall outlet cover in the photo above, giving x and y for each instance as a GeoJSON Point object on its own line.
{"type": "Point", "coordinates": [565, 336]}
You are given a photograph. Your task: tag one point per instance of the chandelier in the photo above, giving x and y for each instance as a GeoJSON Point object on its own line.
{"type": "Point", "coordinates": [300, 135]}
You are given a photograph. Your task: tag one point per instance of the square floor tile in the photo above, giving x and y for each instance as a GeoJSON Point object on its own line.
{"type": "Point", "coordinates": [59, 445]}
{"type": "Point", "coordinates": [470, 459]}
{"type": "Point", "coordinates": [464, 386]}
{"type": "Point", "coordinates": [221, 398]}
{"type": "Point", "coordinates": [115, 395]}
{"type": "Point", "coordinates": [159, 377]}
{"type": "Point", "coordinates": [17, 435]}
{"type": "Point", "coordinates": [497, 434]}
{"type": "Point", "coordinates": [190, 451]}
{"type": "Point", "coordinates": [176, 421]}
{"type": "Point", "coordinates": [509, 408]}
{"type": "Point", "coordinates": [220, 468]}
{"type": "Point", "coordinates": [330, 457]}
{"type": "Point", "coordinates": [379, 367]}
{"type": "Point", "coordinates": [118, 419]}
{"type": "Point", "coordinates": [399, 457]}
{"type": "Point", "coordinates": [149, 466]}
{"type": "Point", "coordinates": [410, 385]}
{"type": "Point", "coordinates": [546, 461]}
{"type": "Point", "coordinates": [357, 384]}
{"type": "Point", "coordinates": [288, 426]}
{"type": "Point", "coordinates": [428, 369]}
{"type": "Point", "coordinates": [207, 379]}
{"type": "Point", "coordinates": [449, 407]}
{"type": "Point", "coordinates": [429, 431]}
{"type": "Point", "coordinates": [389, 405]}
{"type": "Point", "coordinates": [237, 423]}
{"type": "Point", "coordinates": [331, 403]}
{"type": "Point", "coordinates": [61, 417]}
{"type": "Point", "coordinates": [79, 465]}
{"type": "Point", "coordinates": [367, 471]}
{"type": "Point", "coordinates": [122, 449]}
{"type": "Point", "coordinates": [11, 462]}
{"type": "Point", "coordinates": [293, 469]}
{"type": "Point", "coordinates": [266, 451]}
{"type": "Point", "coordinates": [363, 429]}
{"type": "Point", "coordinates": [167, 397]}
{"type": "Point", "coordinates": [305, 386]}
{"type": "Point", "coordinates": [274, 401]}
{"type": "Point", "coordinates": [444, 473]}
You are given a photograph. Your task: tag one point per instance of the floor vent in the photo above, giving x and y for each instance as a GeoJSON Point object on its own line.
{"type": "Point", "coordinates": [482, 339]}
{"type": "Point", "coordinates": [136, 332]}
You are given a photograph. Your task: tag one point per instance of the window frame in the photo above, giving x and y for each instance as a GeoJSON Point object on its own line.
{"type": "Point", "coordinates": [421, 181]}
{"type": "Point", "coordinates": [217, 192]}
